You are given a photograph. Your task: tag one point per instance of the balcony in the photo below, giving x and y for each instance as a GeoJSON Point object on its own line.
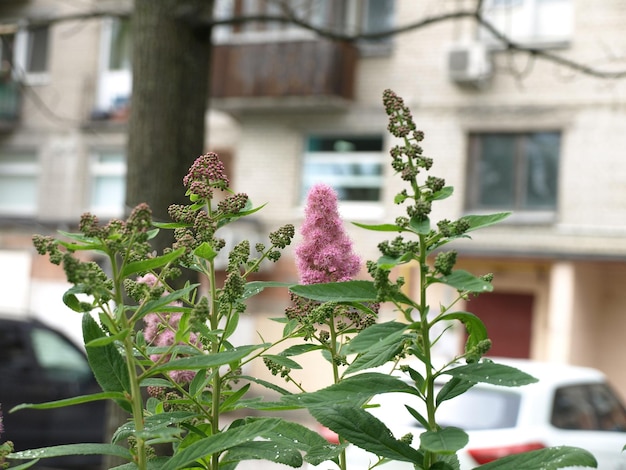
{"type": "Point", "coordinates": [310, 74]}
{"type": "Point", "coordinates": [10, 95]}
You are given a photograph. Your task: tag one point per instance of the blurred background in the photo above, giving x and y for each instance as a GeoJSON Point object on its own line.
{"type": "Point", "coordinates": [533, 122]}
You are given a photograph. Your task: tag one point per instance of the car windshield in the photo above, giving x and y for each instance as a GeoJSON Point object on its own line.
{"type": "Point", "coordinates": [479, 409]}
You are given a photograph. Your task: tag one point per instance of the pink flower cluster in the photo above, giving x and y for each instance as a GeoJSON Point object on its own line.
{"type": "Point", "coordinates": [326, 253]}
{"type": "Point", "coordinates": [161, 330]}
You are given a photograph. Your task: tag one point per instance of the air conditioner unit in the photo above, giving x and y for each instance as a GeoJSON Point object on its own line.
{"type": "Point", "coordinates": [469, 64]}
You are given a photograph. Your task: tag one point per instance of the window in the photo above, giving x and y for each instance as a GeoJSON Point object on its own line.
{"type": "Point", "coordinates": [354, 16]}
{"type": "Point", "coordinates": [351, 164]}
{"type": "Point", "coordinates": [31, 54]}
{"type": "Point", "coordinates": [18, 183]}
{"type": "Point", "coordinates": [108, 183]}
{"type": "Point", "coordinates": [57, 357]}
{"type": "Point", "coordinates": [115, 78]}
{"type": "Point", "coordinates": [547, 23]}
{"type": "Point", "coordinates": [513, 171]}
{"type": "Point", "coordinates": [588, 407]}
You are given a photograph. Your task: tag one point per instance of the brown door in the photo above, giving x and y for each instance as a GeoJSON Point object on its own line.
{"type": "Point", "coordinates": [508, 318]}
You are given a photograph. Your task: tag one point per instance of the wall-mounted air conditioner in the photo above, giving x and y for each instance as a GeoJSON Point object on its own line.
{"type": "Point", "coordinates": [469, 64]}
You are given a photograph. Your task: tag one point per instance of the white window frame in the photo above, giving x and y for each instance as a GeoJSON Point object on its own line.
{"type": "Point", "coordinates": [527, 22]}
{"type": "Point", "coordinates": [24, 43]}
{"type": "Point", "coordinates": [363, 210]}
{"type": "Point", "coordinates": [99, 169]}
{"type": "Point", "coordinates": [114, 86]}
{"type": "Point", "coordinates": [30, 169]}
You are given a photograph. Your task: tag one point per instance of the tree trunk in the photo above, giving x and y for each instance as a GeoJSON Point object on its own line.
{"type": "Point", "coordinates": [171, 60]}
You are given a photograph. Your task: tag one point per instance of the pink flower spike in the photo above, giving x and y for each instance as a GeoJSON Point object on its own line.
{"type": "Point", "coordinates": [326, 253]}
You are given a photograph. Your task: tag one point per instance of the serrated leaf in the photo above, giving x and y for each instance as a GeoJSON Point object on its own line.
{"type": "Point", "coordinates": [444, 441]}
{"type": "Point", "coordinates": [264, 450]}
{"type": "Point", "coordinates": [462, 280]}
{"type": "Point", "coordinates": [453, 388]}
{"type": "Point", "coordinates": [374, 335]}
{"type": "Point", "coordinates": [72, 449]}
{"type": "Point", "coordinates": [356, 389]}
{"type": "Point", "coordinates": [220, 442]}
{"type": "Point", "coordinates": [203, 361]}
{"type": "Point", "coordinates": [379, 353]}
{"type": "Point", "coordinates": [480, 221]}
{"type": "Point", "coordinates": [380, 227]}
{"type": "Point", "coordinates": [107, 364]}
{"type": "Point", "coordinates": [348, 291]}
{"type": "Point", "coordinates": [151, 263]}
{"type": "Point", "coordinates": [551, 458]}
{"type": "Point", "coordinates": [298, 349]}
{"type": "Point", "coordinates": [365, 431]}
{"type": "Point", "coordinates": [491, 373]}
{"type": "Point", "coordinates": [256, 287]}
{"type": "Point", "coordinates": [283, 361]}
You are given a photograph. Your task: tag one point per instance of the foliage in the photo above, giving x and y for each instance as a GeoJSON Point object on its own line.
{"type": "Point", "coordinates": [166, 355]}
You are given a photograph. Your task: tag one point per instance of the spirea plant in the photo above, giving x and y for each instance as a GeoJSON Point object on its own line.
{"type": "Point", "coordinates": [166, 355]}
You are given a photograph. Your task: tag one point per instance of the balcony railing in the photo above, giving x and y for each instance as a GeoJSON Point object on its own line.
{"type": "Point", "coordinates": [283, 73]}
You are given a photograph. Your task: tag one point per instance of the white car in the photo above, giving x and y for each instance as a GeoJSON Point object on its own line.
{"type": "Point", "coordinates": [569, 405]}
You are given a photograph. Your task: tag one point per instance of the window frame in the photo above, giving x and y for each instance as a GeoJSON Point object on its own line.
{"type": "Point", "coordinates": [30, 169]}
{"type": "Point", "coordinates": [99, 169]}
{"type": "Point", "coordinates": [24, 46]}
{"type": "Point", "coordinates": [362, 209]}
{"type": "Point", "coordinates": [521, 213]}
{"type": "Point", "coordinates": [530, 11]}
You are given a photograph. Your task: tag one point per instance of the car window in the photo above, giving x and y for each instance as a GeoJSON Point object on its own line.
{"type": "Point", "coordinates": [14, 353]}
{"type": "Point", "coordinates": [479, 409]}
{"type": "Point", "coordinates": [57, 357]}
{"type": "Point", "coordinates": [588, 407]}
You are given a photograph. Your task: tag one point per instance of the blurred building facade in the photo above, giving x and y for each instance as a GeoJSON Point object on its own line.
{"type": "Point", "coordinates": [510, 132]}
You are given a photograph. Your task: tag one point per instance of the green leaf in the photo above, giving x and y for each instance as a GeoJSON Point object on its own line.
{"type": "Point", "coordinates": [220, 442]}
{"type": "Point", "coordinates": [283, 361]}
{"type": "Point", "coordinates": [418, 416]}
{"type": "Point", "coordinates": [444, 441]}
{"type": "Point", "coordinates": [476, 330]}
{"type": "Point", "coordinates": [365, 431]}
{"type": "Point", "coordinates": [374, 335]}
{"type": "Point", "coordinates": [389, 262]}
{"type": "Point", "coordinates": [165, 301]}
{"type": "Point", "coordinates": [69, 401]}
{"type": "Point", "coordinates": [298, 349]}
{"type": "Point", "coordinates": [228, 218]}
{"type": "Point", "coordinates": [256, 287]}
{"type": "Point", "coordinates": [551, 458]}
{"type": "Point", "coordinates": [443, 193]}
{"type": "Point", "coordinates": [378, 353]}
{"type": "Point", "coordinates": [170, 225]}
{"type": "Point", "coordinates": [70, 299]}
{"type": "Point", "coordinates": [73, 449]}
{"type": "Point", "coordinates": [381, 227]}
{"type": "Point", "coordinates": [480, 221]}
{"type": "Point", "coordinates": [421, 227]}
{"type": "Point", "coordinates": [356, 389]}
{"type": "Point", "coordinates": [104, 340]}
{"type": "Point", "coordinates": [205, 251]}
{"type": "Point", "coordinates": [204, 361]}
{"type": "Point", "coordinates": [453, 388]}
{"type": "Point", "coordinates": [491, 373]}
{"type": "Point", "coordinates": [264, 450]}
{"type": "Point", "coordinates": [151, 263]}
{"type": "Point", "coordinates": [348, 291]}
{"type": "Point", "coordinates": [108, 365]}
{"type": "Point", "coordinates": [462, 280]}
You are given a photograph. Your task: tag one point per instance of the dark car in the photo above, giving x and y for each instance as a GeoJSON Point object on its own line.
{"type": "Point", "coordinates": [40, 364]}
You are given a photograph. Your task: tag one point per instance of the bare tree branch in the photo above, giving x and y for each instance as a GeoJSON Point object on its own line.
{"type": "Point", "coordinates": [290, 17]}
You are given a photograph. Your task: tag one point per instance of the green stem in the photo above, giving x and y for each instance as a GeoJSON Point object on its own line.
{"type": "Point", "coordinates": [334, 353]}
